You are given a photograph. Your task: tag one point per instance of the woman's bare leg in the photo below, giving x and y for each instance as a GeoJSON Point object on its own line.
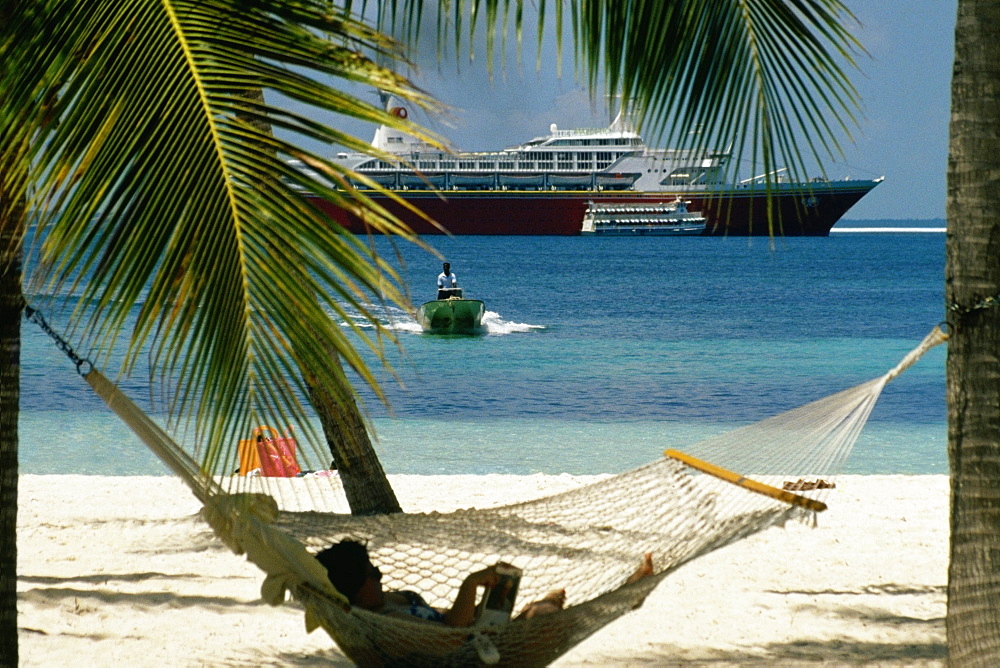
{"type": "Point", "coordinates": [554, 601]}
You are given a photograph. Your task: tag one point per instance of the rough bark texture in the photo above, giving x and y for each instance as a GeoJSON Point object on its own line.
{"type": "Point", "coordinates": [365, 484]}
{"type": "Point", "coordinates": [10, 392]}
{"type": "Point", "coordinates": [973, 368]}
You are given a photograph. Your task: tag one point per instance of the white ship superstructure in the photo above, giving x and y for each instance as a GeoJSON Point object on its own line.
{"type": "Point", "coordinates": [612, 158]}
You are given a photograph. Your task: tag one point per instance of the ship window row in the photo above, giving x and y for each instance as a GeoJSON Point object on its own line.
{"type": "Point", "coordinates": [565, 163]}
{"type": "Point", "coordinates": [620, 141]}
{"type": "Point", "coordinates": [530, 156]}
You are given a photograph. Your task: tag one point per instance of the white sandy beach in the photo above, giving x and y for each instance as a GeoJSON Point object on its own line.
{"type": "Point", "coordinates": [123, 571]}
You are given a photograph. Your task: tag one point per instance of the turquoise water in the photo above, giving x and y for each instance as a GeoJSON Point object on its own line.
{"type": "Point", "coordinates": [600, 353]}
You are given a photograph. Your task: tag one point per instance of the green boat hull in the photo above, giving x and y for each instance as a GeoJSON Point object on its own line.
{"type": "Point", "coordinates": [451, 316]}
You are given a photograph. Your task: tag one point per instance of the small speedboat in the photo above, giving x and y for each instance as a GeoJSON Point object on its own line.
{"type": "Point", "coordinates": [451, 313]}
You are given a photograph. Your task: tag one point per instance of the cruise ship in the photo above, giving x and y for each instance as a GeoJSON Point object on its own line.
{"type": "Point", "coordinates": [544, 186]}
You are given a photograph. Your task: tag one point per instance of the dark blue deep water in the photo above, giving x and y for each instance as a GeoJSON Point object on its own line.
{"type": "Point", "coordinates": [601, 352]}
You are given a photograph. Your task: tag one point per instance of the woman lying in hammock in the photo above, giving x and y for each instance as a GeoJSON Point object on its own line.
{"type": "Point", "coordinates": [353, 574]}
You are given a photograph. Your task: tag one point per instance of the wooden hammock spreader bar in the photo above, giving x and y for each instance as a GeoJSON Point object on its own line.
{"type": "Point", "coordinates": [746, 483]}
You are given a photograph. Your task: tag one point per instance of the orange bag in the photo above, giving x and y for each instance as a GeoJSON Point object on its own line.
{"type": "Point", "coordinates": [270, 452]}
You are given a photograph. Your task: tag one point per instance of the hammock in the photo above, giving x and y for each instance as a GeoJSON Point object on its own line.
{"type": "Point", "coordinates": [587, 540]}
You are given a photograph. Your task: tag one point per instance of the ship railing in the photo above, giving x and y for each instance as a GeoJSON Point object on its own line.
{"type": "Point", "coordinates": [500, 180]}
{"type": "Point", "coordinates": [601, 132]}
{"type": "Point", "coordinates": [780, 173]}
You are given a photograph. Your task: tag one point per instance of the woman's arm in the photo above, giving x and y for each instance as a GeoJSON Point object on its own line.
{"type": "Point", "coordinates": [463, 611]}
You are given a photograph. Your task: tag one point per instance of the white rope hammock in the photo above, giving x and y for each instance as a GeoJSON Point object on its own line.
{"type": "Point", "coordinates": [586, 540]}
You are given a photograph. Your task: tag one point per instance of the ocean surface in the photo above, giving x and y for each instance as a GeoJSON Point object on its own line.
{"type": "Point", "coordinates": [601, 353]}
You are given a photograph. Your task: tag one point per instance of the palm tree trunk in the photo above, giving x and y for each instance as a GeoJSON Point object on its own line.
{"type": "Point", "coordinates": [366, 487]}
{"type": "Point", "coordinates": [973, 370]}
{"type": "Point", "coordinates": [10, 367]}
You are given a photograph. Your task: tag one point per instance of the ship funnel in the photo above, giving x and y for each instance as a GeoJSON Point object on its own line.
{"type": "Point", "coordinates": [392, 140]}
{"type": "Point", "coordinates": [623, 120]}
{"type": "Point", "coordinates": [384, 98]}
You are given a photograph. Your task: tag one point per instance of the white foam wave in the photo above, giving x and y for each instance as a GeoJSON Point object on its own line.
{"type": "Point", "coordinates": [392, 318]}
{"type": "Point", "coordinates": [398, 320]}
{"type": "Point", "coordinates": [405, 325]}
{"type": "Point", "coordinates": [495, 325]}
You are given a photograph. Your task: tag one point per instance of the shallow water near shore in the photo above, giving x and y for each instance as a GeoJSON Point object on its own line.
{"type": "Point", "coordinates": [600, 353]}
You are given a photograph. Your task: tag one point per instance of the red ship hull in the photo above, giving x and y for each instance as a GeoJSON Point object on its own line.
{"type": "Point", "coordinates": [801, 210]}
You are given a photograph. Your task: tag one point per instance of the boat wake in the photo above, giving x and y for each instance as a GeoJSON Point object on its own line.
{"type": "Point", "coordinates": [398, 320]}
{"type": "Point", "coordinates": [493, 325]}
{"type": "Point", "coordinates": [406, 325]}
{"type": "Point", "coordinates": [496, 326]}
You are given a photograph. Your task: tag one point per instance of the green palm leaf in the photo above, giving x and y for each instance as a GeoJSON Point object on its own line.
{"type": "Point", "coordinates": [161, 189]}
{"type": "Point", "coordinates": [160, 194]}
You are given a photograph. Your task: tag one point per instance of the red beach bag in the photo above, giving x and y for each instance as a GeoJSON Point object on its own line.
{"type": "Point", "coordinates": [270, 452]}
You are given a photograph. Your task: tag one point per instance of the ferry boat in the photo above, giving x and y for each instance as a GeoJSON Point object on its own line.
{"type": "Point", "coordinates": [544, 186]}
{"type": "Point", "coordinates": [636, 220]}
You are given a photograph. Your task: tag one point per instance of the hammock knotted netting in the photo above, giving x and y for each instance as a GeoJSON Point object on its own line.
{"type": "Point", "coordinates": [586, 541]}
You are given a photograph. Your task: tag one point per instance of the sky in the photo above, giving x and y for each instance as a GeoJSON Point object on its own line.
{"type": "Point", "coordinates": [903, 82]}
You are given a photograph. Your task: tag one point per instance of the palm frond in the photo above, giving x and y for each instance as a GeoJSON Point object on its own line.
{"type": "Point", "coordinates": [766, 76]}
{"type": "Point", "coordinates": [159, 187]}
{"type": "Point", "coordinates": [160, 193]}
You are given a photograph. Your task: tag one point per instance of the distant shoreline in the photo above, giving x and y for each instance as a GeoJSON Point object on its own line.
{"type": "Point", "coordinates": [896, 222]}
{"type": "Point", "coordinates": [890, 225]}
{"type": "Point", "coordinates": [893, 230]}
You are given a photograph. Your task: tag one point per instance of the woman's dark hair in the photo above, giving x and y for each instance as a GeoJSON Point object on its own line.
{"type": "Point", "coordinates": [346, 566]}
